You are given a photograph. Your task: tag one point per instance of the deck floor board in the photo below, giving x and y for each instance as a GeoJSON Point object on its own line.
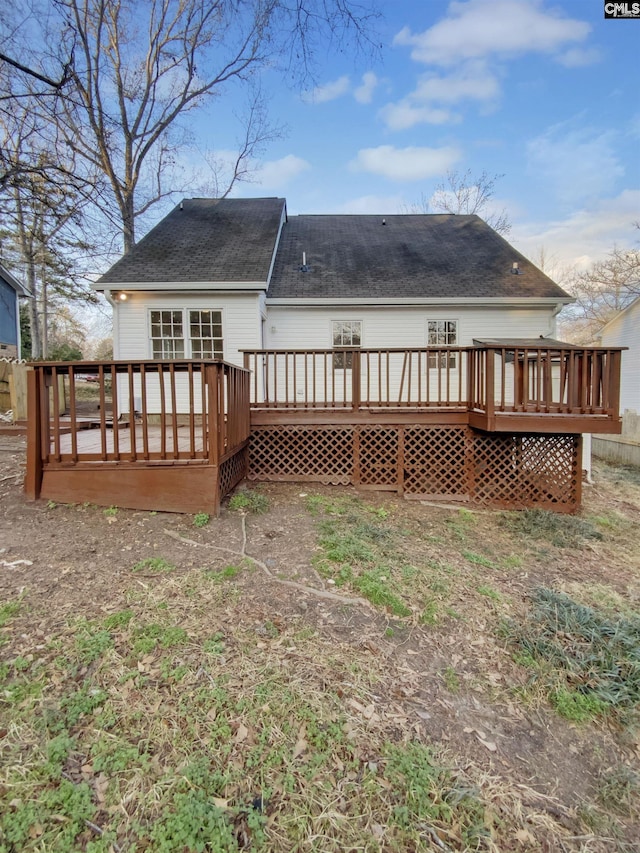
{"type": "Point", "coordinates": [89, 441]}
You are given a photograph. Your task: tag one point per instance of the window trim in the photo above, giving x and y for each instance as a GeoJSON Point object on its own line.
{"type": "Point", "coordinates": [186, 330]}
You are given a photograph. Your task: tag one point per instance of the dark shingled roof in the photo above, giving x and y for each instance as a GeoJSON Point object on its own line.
{"type": "Point", "coordinates": [426, 256]}
{"type": "Point", "coordinates": [204, 240]}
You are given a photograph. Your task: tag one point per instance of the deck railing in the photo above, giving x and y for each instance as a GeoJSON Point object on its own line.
{"type": "Point", "coordinates": [147, 411]}
{"type": "Point", "coordinates": [485, 379]}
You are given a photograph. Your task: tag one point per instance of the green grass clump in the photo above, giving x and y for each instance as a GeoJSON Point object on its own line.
{"type": "Point", "coordinates": [201, 519]}
{"type": "Point", "coordinates": [154, 564]}
{"type": "Point", "coordinates": [563, 531]}
{"type": "Point", "coordinates": [589, 661]}
{"type": "Point", "coordinates": [424, 792]}
{"type": "Point", "coordinates": [250, 500]}
{"type": "Point", "coordinates": [7, 611]}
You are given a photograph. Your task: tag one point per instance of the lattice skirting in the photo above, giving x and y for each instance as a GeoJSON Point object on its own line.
{"type": "Point", "coordinates": [231, 472]}
{"type": "Point", "coordinates": [434, 462]}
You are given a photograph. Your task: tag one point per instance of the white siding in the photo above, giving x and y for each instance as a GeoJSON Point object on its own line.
{"type": "Point", "coordinates": [241, 328]}
{"type": "Point", "coordinates": [310, 327]}
{"type": "Point", "coordinates": [624, 331]}
{"type": "Point", "coordinates": [241, 321]}
{"type": "Point", "coordinates": [388, 327]}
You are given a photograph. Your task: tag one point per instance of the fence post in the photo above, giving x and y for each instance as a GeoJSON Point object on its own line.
{"type": "Point", "coordinates": [33, 478]}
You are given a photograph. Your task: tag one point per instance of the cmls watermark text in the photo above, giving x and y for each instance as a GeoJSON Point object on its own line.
{"type": "Point", "coordinates": [621, 10]}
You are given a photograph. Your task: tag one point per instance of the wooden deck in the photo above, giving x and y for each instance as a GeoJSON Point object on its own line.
{"type": "Point", "coordinates": [499, 425]}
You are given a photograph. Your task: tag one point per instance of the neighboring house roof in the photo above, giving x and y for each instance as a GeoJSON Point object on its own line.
{"type": "Point", "coordinates": [205, 240]}
{"type": "Point", "coordinates": [402, 256]}
{"type": "Point", "coordinates": [628, 308]}
{"type": "Point", "coordinates": [6, 276]}
{"type": "Point", "coordinates": [413, 256]}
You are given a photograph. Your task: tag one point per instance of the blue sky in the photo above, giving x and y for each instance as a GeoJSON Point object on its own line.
{"type": "Point", "coordinates": [545, 92]}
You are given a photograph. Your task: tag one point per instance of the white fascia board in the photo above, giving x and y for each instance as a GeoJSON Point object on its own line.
{"type": "Point", "coordinates": [488, 302]}
{"type": "Point", "coordinates": [283, 219]}
{"type": "Point", "coordinates": [180, 286]}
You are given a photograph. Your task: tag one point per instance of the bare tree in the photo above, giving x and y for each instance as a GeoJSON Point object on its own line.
{"type": "Point", "coordinates": [601, 291]}
{"type": "Point", "coordinates": [40, 219]}
{"type": "Point", "coordinates": [141, 67]}
{"type": "Point", "coordinates": [460, 192]}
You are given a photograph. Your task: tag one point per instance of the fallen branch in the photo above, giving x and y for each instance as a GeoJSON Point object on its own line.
{"type": "Point", "coordinates": [310, 590]}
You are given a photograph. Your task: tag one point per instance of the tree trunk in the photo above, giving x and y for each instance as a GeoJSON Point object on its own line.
{"type": "Point", "coordinates": [34, 319]}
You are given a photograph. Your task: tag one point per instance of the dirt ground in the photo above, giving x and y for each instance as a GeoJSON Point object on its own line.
{"type": "Point", "coordinates": [70, 561]}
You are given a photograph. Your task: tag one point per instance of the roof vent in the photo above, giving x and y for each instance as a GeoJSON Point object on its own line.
{"type": "Point", "coordinates": [384, 221]}
{"type": "Point", "coordinates": [515, 269]}
{"type": "Point", "coordinates": [304, 267]}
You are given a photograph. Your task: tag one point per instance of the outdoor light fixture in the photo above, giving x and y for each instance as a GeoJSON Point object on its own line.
{"type": "Point", "coordinates": [122, 296]}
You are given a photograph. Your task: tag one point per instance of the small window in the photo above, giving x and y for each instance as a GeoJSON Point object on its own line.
{"type": "Point", "coordinates": [346, 333]}
{"type": "Point", "coordinates": [442, 333]}
{"type": "Point", "coordinates": [167, 334]}
{"type": "Point", "coordinates": [205, 330]}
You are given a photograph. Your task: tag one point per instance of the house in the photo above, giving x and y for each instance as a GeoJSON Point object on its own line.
{"type": "Point", "coordinates": [411, 353]}
{"type": "Point", "coordinates": [623, 330]}
{"type": "Point", "coordinates": [219, 276]}
{"type": "Point", "coordinates": [10, 292]}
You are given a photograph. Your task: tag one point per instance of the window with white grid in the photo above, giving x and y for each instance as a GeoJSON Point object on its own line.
{"type": "Point", "coordinates": [442, 333]}
{"type": "Point", "coordinates": [346, 333]}
{"type": "Point", "coordinates": [167, 334]}
{"type": "Point", "coordinates": [205, 331]}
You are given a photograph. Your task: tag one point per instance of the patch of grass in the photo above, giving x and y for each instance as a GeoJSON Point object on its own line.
{"type": "Point", "coordinates": [461, 524]}
{"type": "Point", "coordinates": [619, 790]}
{"type": "Point", "coordinates": [148, 637]}
{"type": "Point", "coordinates": [91, 643]}
{"type": "Point", "coordinates": [489, 592]}
{"type": "Point", "coordinates": [563, 531]}
{"type": "Point", "coordinates": [574, 706]}
{"type": "Point", "coordinates": [589, 661]}
{"type": "Point", "coordinates": [154, 564]}
{"type": "Point", "coordinates": [118, 620]}
{"type": "Point", "coordinates": [451, 679]}
{"type": "Point", "coordinates": [110, 511]}
{"type": "Point", "coordinates": [228, 572]}
{"type": "Point", "coordinates": [201, 519]}
{"type": "Point", "coordinates": [374, 586]}
{"type": "Point", "coordinates": [7, 611]}
{"type": "Point", "coordinates": [250, 500]}
{"type": "Point", "coordinates": [478, 560]}
{"type": "Point", "coordinates": [424, 792]}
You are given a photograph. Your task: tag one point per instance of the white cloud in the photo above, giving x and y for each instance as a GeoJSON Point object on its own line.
{"type": "Point", "coordinates": [434, 93]}
{"type": "Point", "coordinates": [328, 91]}
{"type": "Point", "coordinates": [364, 93]}
{"type": "Point", "coordinates": [586, 235]}
{"type": "Point", "coordinates": [277, 173]}
{"type": "Point", "coordinates": [405, 114]}
{"type": "Point", "coordinates": [577, 57]}
{"type": "Point", "coordinates": [577, 163]}
{"type": "Point", "coordinates": [405, 164]}
{"type": "Point", "coordinates": [501, 28]}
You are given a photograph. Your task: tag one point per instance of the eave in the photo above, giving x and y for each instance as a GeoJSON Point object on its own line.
{"type": "Point", "coordinates": [444, 301]}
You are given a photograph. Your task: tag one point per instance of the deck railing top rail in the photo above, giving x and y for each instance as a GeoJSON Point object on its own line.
{"type": "Point", "coordinates": [491, 378]}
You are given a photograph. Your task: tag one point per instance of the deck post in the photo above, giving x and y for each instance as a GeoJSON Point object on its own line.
{"type": "Point", "coordinates": [614, 363]}
{"type": "Point", "coordinates": [490, 380]}
{"type": "Point", "coordinates": [356, 380]}
{"type": "Point", "coordinates": [33, 478]}
{"type": "Point", "coordinates": [213, 413]}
